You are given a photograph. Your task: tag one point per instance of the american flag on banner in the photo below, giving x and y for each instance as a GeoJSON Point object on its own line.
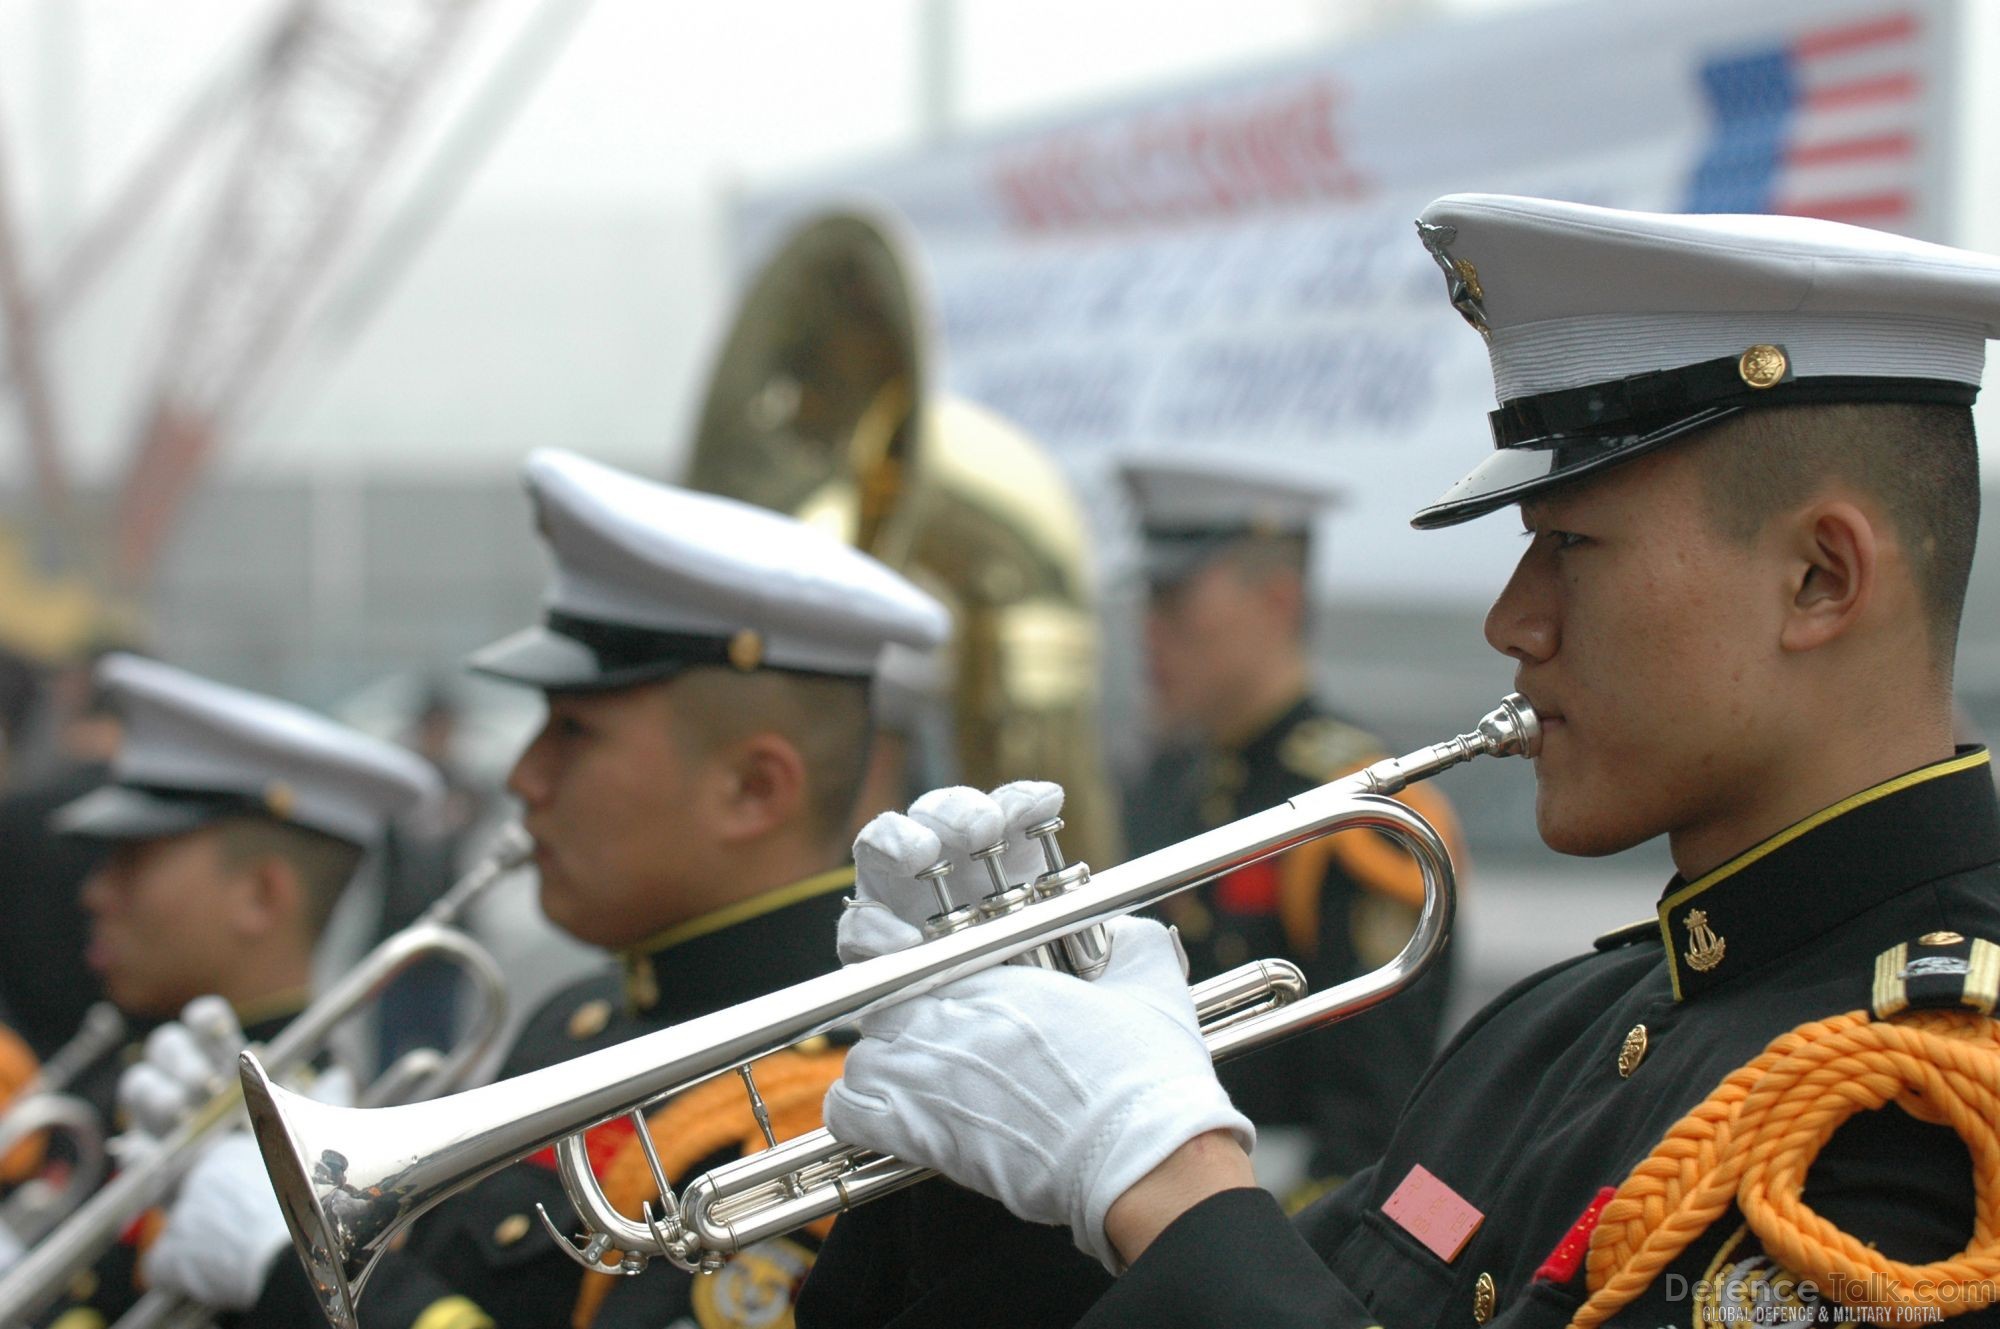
{"type": "Point", "coordinates": [1823, 125]}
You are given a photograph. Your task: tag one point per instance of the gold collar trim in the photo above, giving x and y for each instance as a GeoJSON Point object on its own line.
{"type": "Point", "coordinates": [1923, 774]}
{"type": "Point", "coordinates": [744, 910]}
{"type": "Point", "coordinates": [281, 1005]}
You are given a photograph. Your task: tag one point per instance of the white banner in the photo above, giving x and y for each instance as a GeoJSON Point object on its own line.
{"type": "Point", "coordinates": [1233, 265]}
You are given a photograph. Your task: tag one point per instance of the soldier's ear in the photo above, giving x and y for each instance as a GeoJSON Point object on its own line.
{"type": "Point", "coordinates": [1833, 554]}
{"type": "Point", "coordinates": [760, 786]}
{"type": "Point", "coordinates": [270, 897]}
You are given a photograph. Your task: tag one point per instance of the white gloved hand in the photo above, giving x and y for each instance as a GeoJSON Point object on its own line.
{"type": "Point", "coordinates": [1049, 1093]}
{"type": "Point", "coordinates": [186, 1063]}
{"type": "Point", "coordinates": [945, 823]}
{"type": "Point", "coordinates": [223, 1230]}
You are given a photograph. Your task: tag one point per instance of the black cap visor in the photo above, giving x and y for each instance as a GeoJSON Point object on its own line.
{"type": "Point", "coordinates": [570, 654]}
{"type": "Point", "coordinates": [1555, 437]}
{"type": "Point", "coordinates": [130, 812]}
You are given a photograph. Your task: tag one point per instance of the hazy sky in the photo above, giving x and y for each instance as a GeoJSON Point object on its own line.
{"type": "Point", "coordinates": [573, 292]}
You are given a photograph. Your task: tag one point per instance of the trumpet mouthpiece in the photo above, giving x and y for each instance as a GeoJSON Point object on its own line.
{"type": "Point", "coordinates": [1512, 728]}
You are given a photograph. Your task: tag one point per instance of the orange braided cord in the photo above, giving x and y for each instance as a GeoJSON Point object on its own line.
{"type": "Point", "coordinates": [17, 1068]}
{"type": "Point", "coordinates": [1752, 1140]}
{"type": "Point", "coordinates": [713, 1115]}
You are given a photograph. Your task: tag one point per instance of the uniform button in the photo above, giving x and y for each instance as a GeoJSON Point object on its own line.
{"type": "Point", "coordinates": [510, 1229]}
{"type": "Point", "coordinates": [589, 1019]}
{"type": "Point", "coordinates": [1633, 1052]}
{"type": "Point", "coordinates": [1484, 1294]}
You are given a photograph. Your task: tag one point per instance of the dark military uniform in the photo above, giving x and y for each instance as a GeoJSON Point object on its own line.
{"type": "Point", "coordinates": [43, 978]}
{"type": "Point", "coordinates": [109, 1288]}
{"type": "Point", "coordinates": [481, 1258]}
{"type": "Point", "coordinates": [1336, 909]}
{"type": "Point", "coordinates": [1569, 1080]}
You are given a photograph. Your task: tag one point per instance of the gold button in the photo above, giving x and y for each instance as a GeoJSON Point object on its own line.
{"type": "Point", "coordinates": [814, 1046]}
{"type": "Point", "coordinates": [1633, 1052]}
{"type": "Point", "coordinates": [1484, 1294]}
{"type": "Point", "coordinates": [589, 1019]}
{"type": "Point", "coordinates": [746, 650]}
{"type": "Point", "coordinates": [1940, 939]}
{"type": "Point", "coordinates": [1762, 366]}
{"type": "Point", "coordinates": [511, 1229]}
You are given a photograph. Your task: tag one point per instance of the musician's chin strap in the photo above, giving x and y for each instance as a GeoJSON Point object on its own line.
{"type": "Point", "coordinates": [1929, 1044]}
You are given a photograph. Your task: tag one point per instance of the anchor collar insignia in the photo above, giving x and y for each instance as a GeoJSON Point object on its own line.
{"type": "Point", "coordinates": [1808, 879]}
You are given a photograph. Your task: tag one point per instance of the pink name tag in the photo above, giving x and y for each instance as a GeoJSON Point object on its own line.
{"type": "Point", "coordinates": [1433, 1213]}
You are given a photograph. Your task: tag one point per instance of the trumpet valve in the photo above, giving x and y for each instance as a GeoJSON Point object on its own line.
{"type": "Point", "coordinates": [1084, 953]}
{"type": "Point", "coordinates": [949, 918]}
{"type": "Point", "coordinates": [1045, 831]}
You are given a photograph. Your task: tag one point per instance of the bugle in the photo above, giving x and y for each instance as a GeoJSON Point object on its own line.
{"type": "Point", "coordinates": [40, 1276]}
{"type": "Point", "coordinates": [349, 1180]}
{"type": "Point", "coordinates": [39, 1202]}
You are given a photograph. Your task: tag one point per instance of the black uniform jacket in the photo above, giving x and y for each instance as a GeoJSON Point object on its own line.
{"type": "Point", "coordinates": [481, 1257]}
{"type": "Point", "coordinates": [1336, 908]}
{"type": "Point", "coordinates": [1529, 1112]}
{"type": "Point", "coordinates": [108, 1289]}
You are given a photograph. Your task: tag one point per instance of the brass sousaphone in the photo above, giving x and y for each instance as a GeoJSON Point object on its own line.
{"type": "Point", "coordinates": [820, 406]}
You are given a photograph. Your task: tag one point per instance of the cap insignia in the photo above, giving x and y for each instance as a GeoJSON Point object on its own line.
{"type": "Point", "coordinates": [1705, 948]}
{"type": "Point", "coordinates": [279, 800]}
{"type": "Point", "coordinates": [746, 650]}
{"type": "Point", "coordinates": [1763, 366]}
{"type": "Point", "coordinates": [1461, 279]}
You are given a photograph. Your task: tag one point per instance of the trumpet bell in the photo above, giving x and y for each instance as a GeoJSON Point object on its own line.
{"type": "Point", "coordinates": [279, 1117]}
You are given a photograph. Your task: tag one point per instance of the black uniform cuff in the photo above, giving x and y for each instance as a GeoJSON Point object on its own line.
{"type": "Point", "coordinates": [1232, 1259]}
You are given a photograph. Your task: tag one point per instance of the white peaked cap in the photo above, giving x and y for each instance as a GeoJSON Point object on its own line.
{"type": "Point", "coordinates": [1192, 505]}
{"type": "Point", "coordinates": [195, 751]}
{"type": "Point", "coordinates": [1611, 333]}
{"type": "Point", "coordinates": [651, 579]}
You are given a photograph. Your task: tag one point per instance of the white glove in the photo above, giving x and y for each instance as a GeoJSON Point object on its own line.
{"type": "Point", "coordinates": [186, 1063]}
{"type": "Point", "coordinates": [224, 1229]}
{"type": "Point", "coordinates": [875, 923]}
{"type": "Point", "coordinates": [1049, 1093]}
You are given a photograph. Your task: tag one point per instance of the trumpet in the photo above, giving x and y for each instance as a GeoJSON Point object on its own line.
{"type": "Point", "coordinates": [41, 1275]}
{"type": "Point", "coordinates": [349, 1180]}
{"type": "Point", "coordinates": [38, 1203]}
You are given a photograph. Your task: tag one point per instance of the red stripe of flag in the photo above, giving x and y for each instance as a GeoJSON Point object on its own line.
{"type": "Point", "coordinates": [1859, 207]}
{"type": "Point", "coordinates": [1889, 87]}
{"type": "Point", "coordinates": [1832, 41]}
{"type": "Point", "coordinates": [1834, 151]}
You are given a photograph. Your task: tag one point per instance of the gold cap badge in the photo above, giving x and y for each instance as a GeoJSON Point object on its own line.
{"type": "Point", "coordinates": [279, 800]}
{"type": "Point", "coordinates": [1461, 279]}
{"type": "Point", "coordinates": [1762, 366]}
{"type": "Point", "coordinates": [746, 650]}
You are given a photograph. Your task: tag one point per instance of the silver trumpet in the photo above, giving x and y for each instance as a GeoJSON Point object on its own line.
{"type": "Point", "coordinates": [40, 1277]}
{"type": "Point", "coordinates": [349, 1180]}
{"type": "Point", "coordinates": [39, 1203]}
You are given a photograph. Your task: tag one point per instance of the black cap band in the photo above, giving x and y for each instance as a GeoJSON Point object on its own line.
{"type": "Point", "coordinates": [1644, 403]}
{"type": "Point", "coordinates": [1551, 437]}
